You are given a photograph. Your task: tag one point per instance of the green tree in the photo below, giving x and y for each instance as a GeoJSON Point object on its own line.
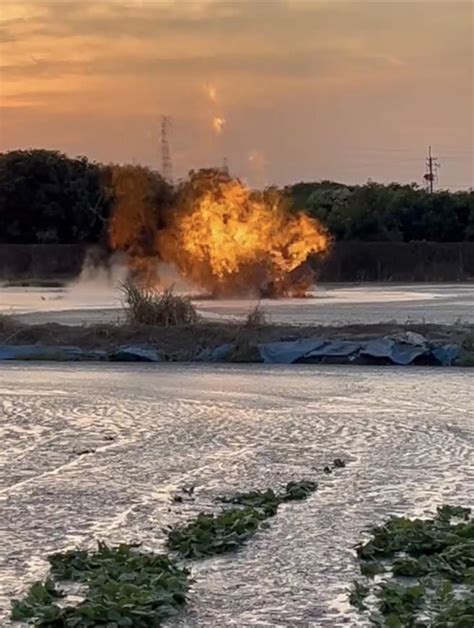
{"type": "Point", "coordinates": [47, 197]}
{"type": "Point", "coordinates": [391, 212]}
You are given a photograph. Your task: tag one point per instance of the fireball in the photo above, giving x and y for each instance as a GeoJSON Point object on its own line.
{"type": "Point", "coordinates": [230, 240]}
{"type": "Point", "coordinates": [223, 237]}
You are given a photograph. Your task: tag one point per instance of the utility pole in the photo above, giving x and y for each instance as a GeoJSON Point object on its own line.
{"type": "Point", "coordinates": [166, 164]}
{"type": "Point", "coordinates": [432, 166]}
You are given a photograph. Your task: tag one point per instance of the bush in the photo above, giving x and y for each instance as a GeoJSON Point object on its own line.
{"type": "Point", "coordinates": [164, 309]}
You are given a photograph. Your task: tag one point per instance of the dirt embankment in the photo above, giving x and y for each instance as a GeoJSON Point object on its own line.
{"type": "Point", "coordinates": [185, 342]}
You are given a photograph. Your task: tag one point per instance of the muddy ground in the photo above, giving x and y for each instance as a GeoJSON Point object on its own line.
{"type": "Point", "coordinates": [406, 434]}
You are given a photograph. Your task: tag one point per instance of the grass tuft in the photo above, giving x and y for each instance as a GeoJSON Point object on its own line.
{"type": "Point", "coordinates": [256, 317]}
{"type": "Point", "coordinates": [160, 309]}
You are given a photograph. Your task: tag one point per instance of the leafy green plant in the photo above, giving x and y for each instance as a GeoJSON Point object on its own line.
{"type": "Point", "coordinates": [357, 595]}
{"type": "Point", "coordinates": [267, 501]}
{"type": "Point", "coordinates": [40, 602]}
{"type": "Point", "coordinates": [413, 536]}
{"type": "Point", "coordinates": [211, 534]}
{"type": "Point", "coordinates": [401, 602]}
{"type": "Point", "coordinates": [429, 571]}
{"type": "Point", "coordinates": [456, 612]}
{"type": "Point", "coordinates": [298, 490]}
{"type": "Point", "coordinates": [123, 587]}
{"type": "Point", "coordinates": [447, 513]}
{"type": "Point", "coordinates": [371, 568]}
{"type": "Point", "coordinates": [270, 500]}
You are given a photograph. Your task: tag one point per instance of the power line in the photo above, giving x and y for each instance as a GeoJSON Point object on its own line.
{"type": "Point", "coordinates": [460, 186]}
{"type": "Point", "coordinates": [432, 166]}
{"type": "Point", "coordinates": [385, 149]}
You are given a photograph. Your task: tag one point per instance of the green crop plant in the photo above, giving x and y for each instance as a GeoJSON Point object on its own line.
{"type": "Point", "coordinates": [428, 571]}
{"type": "Point", "coordinates": [122, 587]}
{"type": "Point", "coordinates": [210, 534]}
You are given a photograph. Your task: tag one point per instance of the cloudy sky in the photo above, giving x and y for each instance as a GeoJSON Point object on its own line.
{"type": "Point", "coordinates": [285, 90]}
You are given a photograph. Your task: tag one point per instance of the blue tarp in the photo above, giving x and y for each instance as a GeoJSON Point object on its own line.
{"type": "Point", "coordinates": [132, 353]}
{"type": "Point", "coordinates": [284, 352]}
{"type": "Point", "coordinates": [333, 349]}
{"type": "Point", "coordinates": [43, 352]}
{"type": "Point", "coordinates": [446, 354]}
{"type": "Point", "coordinates": [396, 352]}
{"type": "Point", "coordinates": [218, 354]}
{"type": "Point", "coordinates": [316, 350]}
{"type": "Point", "coordinates": [287, 352]}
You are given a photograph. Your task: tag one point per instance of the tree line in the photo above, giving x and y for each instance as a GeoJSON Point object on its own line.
{"type": "Point", "coordinates": [48, 197]}
{"type": "Point", "coordinates": [393, 212]}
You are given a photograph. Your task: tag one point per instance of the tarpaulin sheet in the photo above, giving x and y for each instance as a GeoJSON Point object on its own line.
{"type": "Point", "coordinates": [218, 354]}
{"type": "Point", "coordinates": [333, 349]}
{"type": "Point", "coordinates": [132, 353]}
{"type": "Point", "coordinates": [287, 352]}
{"type": "Point", "coordinates": [44, 352]}
{"type": "Point", "coordinates": [446, 354]}
{"type": "Point", "coordinates": [396, 352]}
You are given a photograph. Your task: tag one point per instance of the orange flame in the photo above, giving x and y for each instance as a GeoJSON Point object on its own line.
{"type": "Point", "coordinates": [230, 240]}
{"type": "Point", "coordinates": [216, 232]}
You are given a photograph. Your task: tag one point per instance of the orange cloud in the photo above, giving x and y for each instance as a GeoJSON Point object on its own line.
{"type": "Point", "coordinates": [296, 76]}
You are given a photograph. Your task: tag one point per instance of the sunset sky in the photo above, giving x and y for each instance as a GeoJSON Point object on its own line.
{"type": "Point", "coordinates": [285, 90]}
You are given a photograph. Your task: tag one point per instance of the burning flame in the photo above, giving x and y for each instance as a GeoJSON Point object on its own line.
{"type": "Point", "coordinates": [218, 124]}
{"type": "Point", "coordinates": [218, 234]}
{"type": "Point", "coordinates": [230, 240]}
